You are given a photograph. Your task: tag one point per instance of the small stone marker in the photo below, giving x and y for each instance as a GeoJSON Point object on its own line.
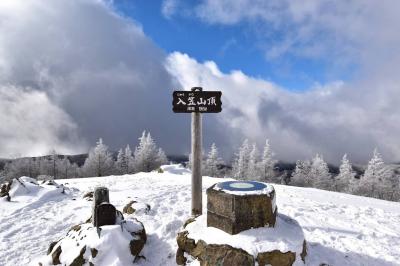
{"type": "Point", "coordinates": [103, 212]}
{"type": "Point", "coordinates": [235, 206]}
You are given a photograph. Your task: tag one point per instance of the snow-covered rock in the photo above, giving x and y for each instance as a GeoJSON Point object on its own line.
{"type": "Point", "coordinates": [279, 246]}
{"type": "Point", "coordinates": [85, 244]}
{"type": "Point", "coordinates": [27, 189]}
{"type": "Point", "coordinates": [134, 207]}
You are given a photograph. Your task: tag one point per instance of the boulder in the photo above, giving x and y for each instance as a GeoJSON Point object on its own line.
{"type": "Point", "coordinates": [134, 206]}
{"type": "Point", "coordinates": [5, 189]}
{"type": "Point", "coordinates": [88, 196]}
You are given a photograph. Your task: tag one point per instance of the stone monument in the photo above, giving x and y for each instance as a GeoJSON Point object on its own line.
{"type": "Point", "coordinates": [241, 228]}
{"type": "Point", "coordinates": [235, 206]}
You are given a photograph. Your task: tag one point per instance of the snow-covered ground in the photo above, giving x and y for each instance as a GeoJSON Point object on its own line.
{"type": "Point", "coordinates": [340, 229]}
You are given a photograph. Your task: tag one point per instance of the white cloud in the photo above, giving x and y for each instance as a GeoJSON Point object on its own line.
{"type": "Point", "coordinates": [341, 32]}
{"type": "Point", "coordinates": [169, 7]}
{"type": "Point", "coordinates": [93, 65]}
{"type": "Point", "coordinates": [333, 119]}
{"type": "Point", "coordinates": [32, 125]}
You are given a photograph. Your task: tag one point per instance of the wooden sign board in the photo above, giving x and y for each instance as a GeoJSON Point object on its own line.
{"type": "Point", "coordinates": [197, 101]}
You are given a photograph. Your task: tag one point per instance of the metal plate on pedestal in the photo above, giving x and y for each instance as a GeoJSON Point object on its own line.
{"type": "Point", "coordinates": [241, 185]}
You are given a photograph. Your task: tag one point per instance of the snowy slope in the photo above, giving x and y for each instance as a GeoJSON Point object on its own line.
{"type": "Point", "coordinates": [340, 229]}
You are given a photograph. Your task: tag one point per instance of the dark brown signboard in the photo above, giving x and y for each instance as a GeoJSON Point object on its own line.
{"type": "Point", "coordinates": [197, 101]}
{"type": "Point", "coordinates": [105, 214]}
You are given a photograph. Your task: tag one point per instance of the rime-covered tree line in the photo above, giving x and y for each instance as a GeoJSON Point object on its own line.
{"type": "Point", "coordinates": [146, 157]}
{"type": "Point", "coordinates": [379, 180]}
{"type": "Point", "coordinates": [250, 164]}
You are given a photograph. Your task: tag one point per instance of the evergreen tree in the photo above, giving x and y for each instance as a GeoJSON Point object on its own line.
{"type": "Point", "coordinates": [64, 168]}
{"type": "Point", "coordinates": [121, 165]}
{"type": "Point", "coordinates": [378, 180]}
{"type": "Point", "coordinates": [345, 177]}
{"type": "Point", "coordinates": [130, 162]}
{"type": "Point", "coordinates": [99, 161]}
{"type": "Point", "coordinates": [253, 172]}
{"type": "Point", "coordinates": [54, 162]}
{"type": "Point", "coordinates": [267, 163]}
{"type": "Point", "coordinates": [301, 175]}
{"type": "Point", "coordinates": [161, 157]}
{"type": "Point", "coordinates": [211, 163]}
{"type": "Point", "coordinates": [147, 156]}
{"type": "Point", "coordinates": [241, 164]}
{"type": "Point", "coordinates": [319, 173]}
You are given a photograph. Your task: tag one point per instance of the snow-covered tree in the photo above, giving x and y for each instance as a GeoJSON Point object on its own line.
{"type": "Point", "coordinates": [125, 162]}
{"type": "Point", "coordinates": [65, 169]}
{"type": "Point", "coordinates": [301, 175]}
{"type": "Point", "coordinates": [253, 171]}
{"type": "Point", "coordinates": [212, 161]}
{"type": "Point", "coordinates": [241, 163]}
{"type": "Point", "coordinates": [161, 157]}
{"type": "Point", "coordinates": [147, 156]}
{"type": "Point", "coordinates": [319, 173]}
{"type": "Point", "coordinates": [48, 165]}
{"type": "Point", "coordinates": [130, 162]}
{"type": "Point", "coordinates": [17, 168]}
{"type": "Point", "coordinates": [345, 179]}
{"type": "Point", "coordinates": [99, 161]}
{"type": "Point", "coordinates": [267, 163]}
{"type": "Point", "coordinates": [121, 165]}
{"type": "Point", "coordinates": [378, 180]}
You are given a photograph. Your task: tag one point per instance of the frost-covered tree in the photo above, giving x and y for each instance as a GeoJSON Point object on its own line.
{"type": "Point", "coordinates": [319, 173]}
{"type": "Point", "coordinates": [301, 175]}
{"type": "Point", "coordinates": [17, 168]}
{"type": "Point", "coordinates": [161, 157]}
{"type": "Point", "coordinates": [241, 163]}
{"type": "Point", "coordinates": [130, 162]}
{"type": "Point", "coordinates": [48, 165]}
{"type": "Point", "coordinates": [65, 169]}
{"type": "Point", "coordinates": [147, 156]}
{"type": "Point", "coordinates": [378, 180]}
{"type": "Point", "coordinates": [121, 165]}
{"type": "Point", "coordinates": [267, 163]}
{"type": "Point", "coordinates": [253, 171]}
{"type": "Point", "coordinates": [99, 161]}
{"type": "Point", "coordinates": [212, 161]}
{"type": "Point", "coordinates": [345, 179]}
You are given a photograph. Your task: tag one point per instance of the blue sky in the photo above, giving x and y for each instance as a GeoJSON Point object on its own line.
{"type": "Point", "coordinates": [231, 47]}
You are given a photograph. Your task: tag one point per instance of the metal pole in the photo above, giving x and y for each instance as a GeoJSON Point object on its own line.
{"type": "Point", "coordinates": [196, 165]}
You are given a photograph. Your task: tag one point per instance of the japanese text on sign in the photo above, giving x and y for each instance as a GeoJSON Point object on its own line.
{"type": "Point", "coordinates": [197, 101]}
